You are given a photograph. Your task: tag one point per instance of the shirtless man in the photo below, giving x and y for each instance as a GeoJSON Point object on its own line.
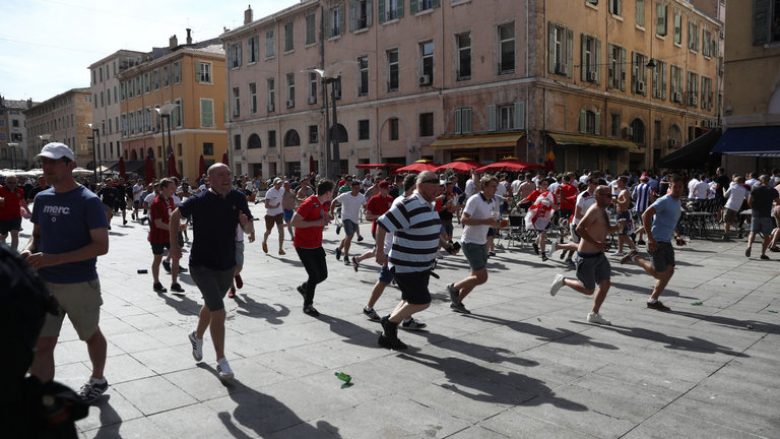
{"type": "Point", "coordinates": [593, 268]}
{"type": "Point", "coordinates": [623, 210]}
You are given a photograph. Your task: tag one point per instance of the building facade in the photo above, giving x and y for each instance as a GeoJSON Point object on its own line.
{"type": "Point", "coordinates": [187, 84]}
{"type": "Point", "coordinates": [104, 86]}
{"type": "Point", "coordinates": [63, 118]}
{"type": "Point", "coordinates": [14, 152]}
{"type": "Point", "coordinates": [609, 85]}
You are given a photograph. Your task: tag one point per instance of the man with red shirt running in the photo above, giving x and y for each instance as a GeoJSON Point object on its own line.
{"type": "Point", "coordinates": [159, 235]}
{"type": "Point", "coordinates": [11, 202]}
{"type": "Point", "coordinates": [376, 207]}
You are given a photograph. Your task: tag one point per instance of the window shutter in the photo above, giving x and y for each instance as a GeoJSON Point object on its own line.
{"type": "Point", "coordinates": [491, 117]}
{"type": "Point", "coordinates": [583, 67]}
{"type": "Point", "coordinates": [465, 123]}
{"type": "Point", "coordinates": [328, 19]}
{"type": "Point", "coordinates": [400, 8]}
{"type": "Point", "coordinates": [569, 48]}
{"type": "Point", "coordinates": [369, 12]}
{"type": "Point", "coordinates": [381, 6]}
{"type": "Point", "coordinates": [598, 123]}
{"type": "Point", "coordinates": [583, 120]}
{"type": "Point", "coordinates": [611, 67]}
{"type": "Point", "coordinates": [414, 6]}
{"type": "Point", "coordinates": [458, 124]}
{"type": "Point", "coordinates": [353, 15]}
{"type": "Point", "coordinates": [435, 3]}
{"type": "Point", "coordinates": [761, 21]}
{"type": "Point", "coordinates": [519, 115]}
{"type": "Point", "coordinates": [597, 62]}
{"type": "Point", "coordinates": [550, 48]}
{"type": "Point", "coordinates": [341, 18]}
{"type": "Point", "coordinates": [622, 64]}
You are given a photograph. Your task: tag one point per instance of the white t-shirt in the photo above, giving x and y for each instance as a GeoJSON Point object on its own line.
{"type": "Point", "coordinates": [735, 196]}
{"type": "Point", "coordinates": [176, 200]}
{"type": "Point", "coordinates": [350, 206]}
{"type": "Point", "coordinates": [501, 189]}
{"type": "Point", "coordinates": [471, 188]}
{"type": "Point", "coordinates": [699, 191]}
{"type": "Point", "coordinates": [274, 197]}
{"type": "Point", "coordinates": [149, 198]}
{"type": "Point", "coordinates": [478, 208]}
{"type": "Point", "coordinates": [584, 201]}
{"type": "Point", "coordinates": [138, 189]}
{"type": "Point", "coordinates": [516, 186]}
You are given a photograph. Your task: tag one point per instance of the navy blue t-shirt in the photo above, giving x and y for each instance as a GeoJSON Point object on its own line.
{"type": "Point", "coordinates": [64, 221]}
{"type": "Point", "coordinates": [214, 221]}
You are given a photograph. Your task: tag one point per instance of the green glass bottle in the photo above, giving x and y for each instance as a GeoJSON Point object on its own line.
{"type": "Point", "coordinates": [343, 377]}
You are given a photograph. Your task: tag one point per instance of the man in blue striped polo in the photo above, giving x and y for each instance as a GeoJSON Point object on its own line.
{"type": "Point", "coordinates": [415, 226]}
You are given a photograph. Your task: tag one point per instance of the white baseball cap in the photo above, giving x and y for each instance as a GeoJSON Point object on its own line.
{"type": "Point", "coordinates": [56, 151]}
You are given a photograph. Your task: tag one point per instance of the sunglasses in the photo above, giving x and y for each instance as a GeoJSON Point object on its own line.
{"type": "Point", "coordinates": [431, 181]}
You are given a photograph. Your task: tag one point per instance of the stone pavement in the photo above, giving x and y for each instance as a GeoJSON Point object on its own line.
{"type": "Point", "coordinates": [524, 364]}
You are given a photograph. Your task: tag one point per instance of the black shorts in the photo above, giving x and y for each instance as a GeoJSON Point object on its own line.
{"type": "Point", "coordinates": [213, 285]}
{"type": "Point", "coordinates": [9, 225]}
{"type": "Point", "coordinates": [663, 257]}
{"type": "Point", "coordinates": [414, 286]}
{"type": "Point", "coordinates": [158, 249]}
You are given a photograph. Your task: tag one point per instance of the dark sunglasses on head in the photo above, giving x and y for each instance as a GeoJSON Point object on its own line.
{"type": "Point", "coordinates": [431, 181]}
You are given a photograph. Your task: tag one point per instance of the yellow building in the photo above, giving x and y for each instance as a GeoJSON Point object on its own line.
{"type": "Point", "coordinates": [181, 87]}
{"type": "Point", "coordinates": [63, 118]}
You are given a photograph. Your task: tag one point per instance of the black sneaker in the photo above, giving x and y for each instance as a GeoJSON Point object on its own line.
{"type": "Point", "coordinates": [92, 390]}
{"type": "Point", "coordinates": [395, 345]}
{"type": "Point", "coordinates": [454, 293]}
{"type": "Point", "coordinates": [641, 242]}
{"type": "Point", "coordinates": [183, 270]}
{"type": "Point", "coordinates": [338, 253]}
{"type": "Point", "coordinates": [360, 238]}
{"type": "Point", "coordinates": [338, 229]}
{"type": "Point", "coordinates": [159, 288]}
{"type": "Point", "coordinates": [355, 264]}
{"type": "Point", "coordinates": [390, 329]}
{"type": "Point", "coordinates": [544, 257]}
{"type": "Point", "coordinates": [413, 325]}
{"type": "Point", "coordinates": [310, 310]}
{"type": "Point", "coordinates": [459, 308]}
{"type": "Point", "coordinates": [301, 290]}
{"type": "Point", "coordinates": [177, 289]}
{"type": "Point", "coordinates": [371, 314]}
{"type": "Point", "coordinates": [765, 257]}
{"type": "Point", "coordinates": [658, 306]}
{"type": "Point", "coordinates": [346, 260]}
{"type": "Point", "coordinates": [167, 266]}
{"type": "Point", "coordinates": [747, 252]}
{"type": "Point", "coordinates": [536, 248]}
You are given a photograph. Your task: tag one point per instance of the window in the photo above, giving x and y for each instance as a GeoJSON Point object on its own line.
{"type": "Point", "coordinates": [314, 134]}
{"type": "Point", "coordinates": [291, 138]}
{"type": "Point", "coordinates": [706, 93]}
{"type": "Point", "coordinates": [234, 56]}
{"type": "Point", "coordinates": [253, 97]}
{"type": "Point", "coordinates": [617, 68]}
{"type": "Point", "coordinates": [270, 44]}
{"type": "Point", "coordinates": [615, 131]}
{"type": "Point", "coordinates": [393, 128]}
{"type": "Point", "coordinates": [422, 5]}
{"type": "Point", "coordinates": [313, 80]}
{"type": "Point", "coordinates": [589, 62]}
{"type": "Point", "coordinates": [204, 72]}
{"type": "Point", "coordinates": [693, 36]}
{"type": "Point", "coordinates": [637, 132]}
{"type": "Point", "coordinates": [693, 89]}
{"type": "Point", "coordinates": [677, 27]}
{"type": "Point", "coordinates": [506, 48]}
{"type": "Point", "coordinates": [426, 63]}
{"type": "Point", "coordinates": [359, 14]}
{"type": "Point", "coordinates": [363, 129]}
{"type": "Point", "coordinates": [393, 9]}
{"type": "Point", "coordinates": [254, 142]}
{"type": "Point", "coordinates": [311, 28]}
{"type": "Point", "coordinates": [270, 88]}
{"type": "Point", "coordinates": [706, 43]}
{"type": "Point", "coordinates": [288, 37]}
{"type": "Point", "coordinates": [676, 84]}
{"type": "Point", "coordinates": [426, 124]}
{"type": "Point", "coordinates": [176, 71]}
{"type": "Point", "coordinates": [254, 49]}
{"type": "Point", "coordinates": [290, 90]}
{"type": "Point", "coordinates": [392, 70]}
{"type": "Point", "coordinates": [335, 21]}
{"type": "Point", "coordinates": [592, 2]}
{"type": "Point", "coordinates": [766, 22]}
{"type": "Point", "coordinates": [208, 148]}
{"type": "Point", "coordinates": [165, 79]}
{"type": "Point", "coordinates": [659, 80]}
{"type": "Point", "coordinates": [237, 141]}
{"type": "Point", "coordinates": [206, 113]}
{"type": "Point", "coordinates": [657, 130]}
{"type": "Point", "coordinates": [363, 83]}
{"type": "Point", "coordinates": [272, 138]}
{"type": "Point", "coordinates": [463, 120]}
{"type": "Point", "coordinates": [639, 76]}
{"type": "Point", "coordinates": [236, 102]}
{"type": "Point", "coordinates": [506, 117]}
{"type": "Point", "coordinates": [146, 82]}
{"type": "Point", "coordinates": [559, 51]}
{"type": "Point", "coordinates": [639, 13]}
{"type": "Point", "coordinates": [337, 88]}
{"type": "Point", "coordinates": [660, 19]}
{"type": "Point", "coordinates": [615, 7]}
{"type": "Point", "coordinates": [176, 116]}
{"type": "Point", "coordinates": [589, 122]}
{"type": "Point", "coordinates": [463, 44]}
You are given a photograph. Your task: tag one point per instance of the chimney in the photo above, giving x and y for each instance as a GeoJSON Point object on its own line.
{"type": "Point", "coordinates": [173, 42]}
{"type": "Point", "coordinates": [29, 103]}
{"type": "Point", "coordinates": [248, 15]}
{"type": "Point", "coordinates": [189, 36]}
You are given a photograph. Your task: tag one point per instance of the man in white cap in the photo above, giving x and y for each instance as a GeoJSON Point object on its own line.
{"type": "Point", "coordinates": [274, 214]}
{"type": "Point", "coordinates": [70, 231]}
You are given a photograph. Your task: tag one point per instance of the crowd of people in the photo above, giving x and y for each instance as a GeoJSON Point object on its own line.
{"type": "Point", "coordinates": [411, 217]}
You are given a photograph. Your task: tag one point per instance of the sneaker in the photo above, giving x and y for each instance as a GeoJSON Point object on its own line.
{"type": "Point", "coordinates": [454, 293]}
{"type": "Point", "coordinates": [629, 257]}
{"type": "Point", "coordinates": [311, 310]}
{"type": "Point", "coordinates": [239, 281]}
{"type": "Point", "coordinates": [544, 256]}
{"type": "Point", "coordinates": [338, 229]}
{"type": "Point", "coordinates": [619, 254]}
{"type": "Point", "coordinates": [747, 252]}
{"type": "Point", "coordinates": [765, 257]}
{"type": "Point", "coordinates": [301, 290]}
{"type": "Point", "coordinates": [774, 249]}
{"type": "Point", "coordinates": [265, 247]}
{"type": "Point", "coordinates": [159, 288]}
{"type": "Point", "coordinates": [338, 253]}
{"type": "Point", "coordinates": [562, 255]}
{"type": "Point", "coordinates": [223, 370]}
{"type": "Point", "coordinates": [395, 345]}
{"type": "Point", "coordinates": [725, 237]}
{"type": "Point", "coordinates": [657, 305]}
{"type": "Point", "coordinates": [231, 293]}
{"type": "Point", "coordinates": [390, 329]}
{"type": "Point", "coordinates": [92, 389]}
{"type": "Point", "coordinates": [167, 266]}
{"type": "Point", "coordinates": [346, 260]}
{"type": "Point", "coordinates": [360, 238]}
{"type": "Point", "coordinates": [182, 269]}
{"type": "Point", "coordinates": [459, 308]}
{"type": "Point", "coordinates": [597, 319]}
{"type": "Point", "coordinates": [371, 314]}
{"type": "Point", "coordinates": [536, 248]}
{"type": "Point", "coordinates": [355, 264]}
{"type": "Point", "coordinates": [282, 252]}
{"type": "Point", "coordinates": [197, 346]}
{"type": "Point", "coordinates": [124, 222]}
{"type": "Point", "coordinates": [557, 284]}
{"type": "Point", "coordinates": [177, 289]}
{"type": "Point", "coordinates": [491, 254]}
{"type": "Point", "coordinates": [413, 325]}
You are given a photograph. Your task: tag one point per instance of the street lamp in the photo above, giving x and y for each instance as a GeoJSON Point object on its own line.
{"type": "Point", "coordinates": [12, 146]}
{"type": "Point", "coordinates": [165, 113]}
{"type": "Point", "coordinates": [95, 153]}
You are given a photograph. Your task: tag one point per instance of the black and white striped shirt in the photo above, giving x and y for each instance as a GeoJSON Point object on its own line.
{"type": "Point", "coordinates": [415, 226]}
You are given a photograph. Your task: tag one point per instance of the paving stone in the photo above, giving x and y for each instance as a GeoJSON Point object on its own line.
{"type": "Point", "coordinates": [153, 395]}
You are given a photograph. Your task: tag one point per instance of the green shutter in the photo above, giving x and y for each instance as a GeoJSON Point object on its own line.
{"type": "Point", "coordinates": [761, 9]}
{"type": "Point", "coordinates": [583, 67]}
{"type": "Point", "coordinates": [369, 13]}
{"type": "Point", "coordinates": [414, 6]}
{"type": "Point", "coordinates": [458, 125]}
{"type": "Point", "coordinates": [381, 6]}
{"type": "Point", "coordinates": [622, 65]}
{"type": "Point", "coordinates": [583, 120]}
{"type": "Point", "coordinates": [597, 58]}
{"type": "Point", "coordinates": [491, 117]}
{"type": "Point", "coordinates": [550, 48]}
{"type": "Point", "coordinates": [519, 115]}
{"type": "Point", "coordinates": [400, 8]}
{"type": "Point", "coordinates": [598, 123]}
{"type": "Point", "coordinates": [353, 15]}
{"type": "Point", "coordinates": [569, 55]}
{"type": "Point", "coordinates": [435, 3]}
{"type": "Point", "coordinates": [342, 12]}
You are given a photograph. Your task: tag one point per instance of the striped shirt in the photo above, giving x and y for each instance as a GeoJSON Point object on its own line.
{"type": "Point", "coordinates": [641, 195]}
{"type": "Point", "coordinates": [415, 226]}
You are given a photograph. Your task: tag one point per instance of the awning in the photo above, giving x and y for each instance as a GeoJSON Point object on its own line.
{"type": "Point", "coordinates": [750, 141]}
{"type": "Point", "coordinates": [131, 166]}
{"type": "Point", "coordinates": [492, 140]}
{"type": "Point", "coordinates": [582, 140]}
{"type": "Point", "coordinates": [693, 155]}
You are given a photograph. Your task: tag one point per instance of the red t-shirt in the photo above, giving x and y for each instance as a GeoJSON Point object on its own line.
{"type": "Point", "coordinates": [13, 202]}
{"type": "Point", "coordinates": [378, 205]}
{"type": "Point", "coordinates": [160, 209]}
{"type": "Point", "coordinates": [310, 210]}
{"type": "Point", "coordinates": [568, 196]}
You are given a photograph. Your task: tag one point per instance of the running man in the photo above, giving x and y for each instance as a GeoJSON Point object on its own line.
{"type": "Point", "coordinates": [11, 202]}
{"type": "Point", "coordinates": [623, 210]}
{"type": "Point", "coordinates": [375, 207]}
{"type": "Point", "coordinates": [351, 202]}
{"type": "Point", "coordinates": [289, 201]}
{"type": "Point", "coordinates": [159, 230]}
{"type": "Point", "coordinates": [274, 214]}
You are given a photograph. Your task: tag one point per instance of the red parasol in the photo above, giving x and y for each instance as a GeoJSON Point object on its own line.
{"type": "Point", "coordinates": [149, 170]}
{"type": "Point", "coordinates": [509, 164]}
{"type": "Point", "coordinates": [121, 166]}
{"type": "Point", "coordinates": [459, 166]}
{"type": "Point", "coordinates": [172, 172]}
{"type": "Point", "coordinates": [378, 165]}
{"type": "Point", "coordinates": [225, 159]}
{"type": "Point", "coordinates": [418, 166]}
{"type": "Point", "coordinates": [201, 167]}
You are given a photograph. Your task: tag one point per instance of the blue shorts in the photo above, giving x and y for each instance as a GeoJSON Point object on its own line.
{"type": "Point", "coordinates": [350, 227]}
{"type": "Point", "coordinates": [385, 275]}
{"type": "Point", "coordinates": [476, 254]}
{"type": "Point", "coordinates": [288, 214]}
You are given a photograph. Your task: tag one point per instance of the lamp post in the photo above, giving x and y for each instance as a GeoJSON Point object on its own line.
{"type": "Point", "coordinates": [165, 113]}
{"type": "Point", "coordinates": [12, 146]}
{"type": "Point", "coordinates": [95, 153]}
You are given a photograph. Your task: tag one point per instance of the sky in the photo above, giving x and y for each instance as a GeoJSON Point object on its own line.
{"type": "Point", "coordinates": [46, 46]}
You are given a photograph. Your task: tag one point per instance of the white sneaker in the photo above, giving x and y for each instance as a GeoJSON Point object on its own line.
{"type": "Point", "coordinates": [223, 369]}
{"type": "Point", "coordinates": [597, 319]}
{"type": "Point", "coordinates": [619, 254]}
{"type": "Point", "coordinates": [557, 284]}
{"type": "Point", "coordinates": [197, 346]}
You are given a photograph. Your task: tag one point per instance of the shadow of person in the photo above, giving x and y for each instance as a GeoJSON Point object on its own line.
{"type": "Point", "coordinates": [110, 421]}
{"type": "Point", "coordinates": [352, 333]}
{"type": "Point", "coordinates": [182, 304]}
{"type": "Point", "coordinates": [489, 354]}
{"type": "Point", "coordinates": [559, 335]}
{"type": "Point", "coordinates": [645, 289]}
{"type": "Point", "coordinates": [482, 384]}
{"type": "Point", "coordinates": [754, 325]}
{"type": "Point", "coordinates": [252, 308]}
{"type": "Point", "coordinates": [264, 414]}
